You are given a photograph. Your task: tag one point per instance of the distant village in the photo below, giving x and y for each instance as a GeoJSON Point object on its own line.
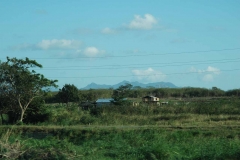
{"type": "Point", "coordinates": [151, 100]}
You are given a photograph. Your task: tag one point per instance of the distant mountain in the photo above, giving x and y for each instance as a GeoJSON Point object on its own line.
{"type": "Point", "coordinates": [135, 84]}
{"type": "Point", "coordinates": [97, 86]}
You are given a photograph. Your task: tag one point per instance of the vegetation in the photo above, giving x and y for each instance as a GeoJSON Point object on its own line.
{"type": "Point", "coordinates": [136, 92]}
{"type": "Point", "coordinates": [120, 94]}
{"type": "Point", "coordinates": [201, 129]}
{"type": "Point", "coordinates": [121, 143]}
{"type": "Point", "coordinates": [197, 123]}
{"type": "Point", "coordinates": [69, 93]}
{"type": "Point", "coordinates": [19, 85]}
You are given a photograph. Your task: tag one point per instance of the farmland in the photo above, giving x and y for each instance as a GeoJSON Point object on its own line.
{"type": "Point", "coordinates": [200, 128]}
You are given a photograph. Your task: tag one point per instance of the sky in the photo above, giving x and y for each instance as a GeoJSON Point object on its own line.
{"type": "Point", "coordinates": [189, 43]}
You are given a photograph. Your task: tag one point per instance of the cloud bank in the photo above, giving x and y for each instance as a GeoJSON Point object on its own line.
{"type": "Point", "coordinates": [58, 44]}
{"type": "Point", "coordinates": [149, 75]}
{"type": "Point", "coordinates": [54, 44]}
{"type": "Point", "coordinates": [108, 31]}
{"type": "Point", "coordinates": [209, 74]}
{"type": "Point", "coordinates": [146, 22]}
{"type": "Point", "coordinates": [72, 48]}
{"type": "Point", "coordinates": [93, 52]}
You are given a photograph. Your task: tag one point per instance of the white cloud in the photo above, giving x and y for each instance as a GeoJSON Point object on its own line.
{"type": "Point", "coordinates": [149, 75]}
{"type": "Point", "coordinates": [108, 31]}
{"type": "Point", "coordinates": [53, 44]}
{"type": "Point", "coordinates": [213, 70]}
{"type": "Point", "coordinates": [147, 22]}
{"type": "Point", "coordinates": [208, 78]}
{"type": "Point", "coordinates": [58, 44]}
{"type": "Point", "coordinates": [194, 70]}
{"type": "Point", "coordinates": [208, 75]}
{"type": "Point", "coordinates": [92, 52]}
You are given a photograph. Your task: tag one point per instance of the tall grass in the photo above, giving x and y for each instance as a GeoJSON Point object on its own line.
{"type": "Point", "coordinates": [176, 113]}
{"type": "Point", "coordinates": [132, 144]}
{"type": "Point", "coordinates": [195, 130]}
{"type": "Point", "coordinates": [10, 149]}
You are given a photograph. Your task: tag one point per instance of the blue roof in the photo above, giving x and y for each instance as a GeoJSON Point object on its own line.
{"type": "Point", "coordinates": [104, 100]}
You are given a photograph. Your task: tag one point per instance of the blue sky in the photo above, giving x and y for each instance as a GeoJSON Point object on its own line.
{"type": "Point", "coordinates": [189, 43]}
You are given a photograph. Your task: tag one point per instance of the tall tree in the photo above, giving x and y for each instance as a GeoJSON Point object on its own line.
{"type": "Point", "coordinates": [21, 84]}
{"type": "Point", "coordinates": [69, 93]}
{"type": "Point", "coordinates": [121, 93]}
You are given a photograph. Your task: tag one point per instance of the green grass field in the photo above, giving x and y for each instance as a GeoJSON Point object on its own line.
{"type": "Point", "coordinates": [201, 129]}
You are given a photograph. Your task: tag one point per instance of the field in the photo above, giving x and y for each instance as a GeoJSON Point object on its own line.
{"type": "Point", "coordinates": [184, 129]}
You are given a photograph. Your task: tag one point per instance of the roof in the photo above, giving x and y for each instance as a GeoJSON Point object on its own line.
{"type": "Point", "coordinates": [104, 100]}
{"type": "Point", "coordinates": [107, 100]}
{"type": "Point", "coordinates": [149, 97]}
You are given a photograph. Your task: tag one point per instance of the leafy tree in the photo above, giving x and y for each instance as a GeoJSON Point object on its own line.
{"type": "Point", "coordinates": [160, 92]}
{"type": "Point", "coordinates": [233, 92]}
{"type": "Point", "coordinates": [6, 102]}
{"type": "Point", "coordinates": [37, 111]}
{"type": "Point", "coordinates": [94, 94]}
{"type": "Point", "coordinates": [121, 93]}
{"type": "Point", "coordinates": [90, 95]}
{"type": "Point", "coordinates": [135, 93]}
{"type": "Point", "coordinates": [216, 92]}
{"type": "Point", "coordinates": [22, 85]}
{"type": "Point", "coordinates": [6, 105]}
{"type": "Point", "coordinates": [137, 87]}
{"type": "Point", "coordinates": [69, 93]}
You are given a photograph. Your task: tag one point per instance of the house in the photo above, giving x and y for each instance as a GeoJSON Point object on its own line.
{"type": "Point", "coordinates": [104, 102]}
{"type": "Point", "coordinates": [151, 100]}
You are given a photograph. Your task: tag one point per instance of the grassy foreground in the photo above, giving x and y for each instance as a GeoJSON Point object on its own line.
{"type": "Point", "coordinates": [185, 131]}
{"type": "Point", "coordinates": [79, 142]}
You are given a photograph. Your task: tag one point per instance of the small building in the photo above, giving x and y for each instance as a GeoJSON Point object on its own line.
{"type": "Point", "coordinates": [150, 100]}
{"type": "Point", "coordinates": [104, 102]}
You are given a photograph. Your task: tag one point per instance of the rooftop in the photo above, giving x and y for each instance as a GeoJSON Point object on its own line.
{"type": "Point", "coordinates": [104, 100]}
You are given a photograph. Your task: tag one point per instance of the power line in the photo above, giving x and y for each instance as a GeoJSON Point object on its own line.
{"type": "Point", "coordinates": [183, 73]}
{"type": "Point", "coordinates": [138, 55]}
{"type": "Point", "coordinates": [141, 65]}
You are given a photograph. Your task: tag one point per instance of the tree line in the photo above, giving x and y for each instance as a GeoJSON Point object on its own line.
{"type": "Point", "coordinates": [23, 92]}
{"type": "Point", "coordinates": [70, 93]}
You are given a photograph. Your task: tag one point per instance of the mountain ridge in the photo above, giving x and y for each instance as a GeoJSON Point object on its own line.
{"type": "Point", "coordinates": [134, 84]}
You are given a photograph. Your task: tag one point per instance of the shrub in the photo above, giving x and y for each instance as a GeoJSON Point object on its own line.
{"type": "Point", "coordinates": [86, 119]}
{"type": "Point", "coordinates": [96, 111]}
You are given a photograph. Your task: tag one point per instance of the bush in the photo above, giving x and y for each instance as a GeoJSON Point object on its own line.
{"type": "Point", "coordinates": [86, 119]}
{"type": "Point", "coordinates": [96, 111]}
{"type": "Point", "coordinates": [37, 112]}
{"type": "Point", "coordinates": [4, 119]}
